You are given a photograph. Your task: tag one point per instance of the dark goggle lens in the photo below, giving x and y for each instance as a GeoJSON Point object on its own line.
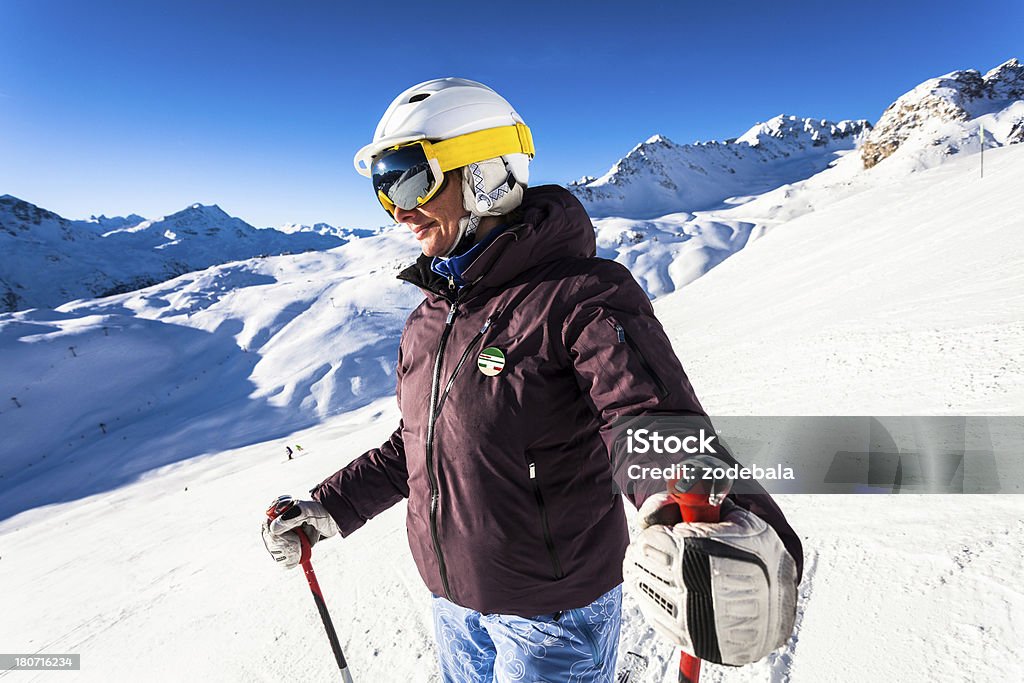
{"type": "Point", "coordinates": [404, 176]}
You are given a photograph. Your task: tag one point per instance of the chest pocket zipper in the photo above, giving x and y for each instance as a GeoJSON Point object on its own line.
{"type": "Point", "coordinates": [620, 333]}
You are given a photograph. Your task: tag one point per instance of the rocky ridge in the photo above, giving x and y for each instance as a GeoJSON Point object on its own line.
{"type": "Point", "coordinates": [958, 97]}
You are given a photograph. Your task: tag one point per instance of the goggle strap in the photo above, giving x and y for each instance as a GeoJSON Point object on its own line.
{"type": "Point", "coordinates": [482, 144]}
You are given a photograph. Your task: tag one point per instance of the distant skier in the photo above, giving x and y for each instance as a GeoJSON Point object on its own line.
{"type": "Point", "coordinates": [298, 447]}
{"type": "Point", "coordinates": [525, 352]}
{"type": "Point", "coordinates": [288, 450]}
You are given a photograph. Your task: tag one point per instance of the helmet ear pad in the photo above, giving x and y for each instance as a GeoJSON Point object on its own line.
{"type": "Point", "coordinates": [491, 187]}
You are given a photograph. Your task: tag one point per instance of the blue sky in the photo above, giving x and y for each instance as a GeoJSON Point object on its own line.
{"type": "Point", "coordinates": [146, 107]}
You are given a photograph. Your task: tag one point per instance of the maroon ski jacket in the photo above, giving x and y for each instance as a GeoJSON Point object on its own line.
{"type": "Point", "coordinates": [511, 507]}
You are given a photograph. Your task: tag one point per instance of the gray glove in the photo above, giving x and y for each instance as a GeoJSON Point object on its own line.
{"type": "Point", "coordinates": [724, 591]}
{"type": "Point", "coordinates": [304, 516]}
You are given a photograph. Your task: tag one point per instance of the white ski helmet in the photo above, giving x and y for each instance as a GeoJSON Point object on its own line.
{"type": "Point", "coordinates": [446, 108]}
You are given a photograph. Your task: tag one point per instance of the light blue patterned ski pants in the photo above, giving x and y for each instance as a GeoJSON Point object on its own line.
{"type": "Point", "coordinates": [576, 646]}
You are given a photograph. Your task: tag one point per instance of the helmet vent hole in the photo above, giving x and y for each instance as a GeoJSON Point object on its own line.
{"type": "Point", "coordinates": [419, 98]}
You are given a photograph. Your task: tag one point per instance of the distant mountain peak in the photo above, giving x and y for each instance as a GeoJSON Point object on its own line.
{"type": "Point", "coordinates": [819, 132]}
{"type": "Point", "coordinates": [108, 223]}
{"type": "Point", "coordinates": [46, 260]}
{"type": "Point", "coordinates": [658, 139]}
{"type": "Point", "coordinates": [955, 97]}
{"type": "Point", "coordinates": [659, 176]}
{"type": "Point", "coordinates": [206, 210]}
{"type": "Point", "coordinates": [26, 213]}
{"type": "Point", "coordinates": [208, 218]}
{"type": "Point", "coordinates": [1006, 81]}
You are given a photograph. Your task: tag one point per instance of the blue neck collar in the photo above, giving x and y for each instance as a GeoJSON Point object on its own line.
{"type": "Point", "coordinates": [452, 268]}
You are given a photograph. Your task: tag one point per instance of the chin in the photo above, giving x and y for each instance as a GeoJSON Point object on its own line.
{"type": "Point", "coordinates": [433, 250]}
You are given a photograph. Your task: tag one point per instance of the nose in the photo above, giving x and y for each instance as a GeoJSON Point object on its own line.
{"type": "Point", "coordinates": [404, 215]}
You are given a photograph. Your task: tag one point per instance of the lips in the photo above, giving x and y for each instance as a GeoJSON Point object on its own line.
{"type": "Point", "coordinates": [420, 231]}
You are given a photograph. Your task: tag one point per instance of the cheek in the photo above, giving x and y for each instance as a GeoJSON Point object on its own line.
{"type": "Point", "coordinates": [452, 202]}
{"type": "Point", "coordinates": [451, 220]}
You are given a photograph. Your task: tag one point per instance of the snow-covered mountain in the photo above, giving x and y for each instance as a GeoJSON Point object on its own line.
{"type": "Point", "coordinates": [944, 116]}
{"type": "Point", "coordinates": [927, 125]}
{"type": "Point", "coordinates": [937, 121]}
{"type": "Point", "coordinates": [46, 260]}
{"type": "Point", "coordinates": [658, 176]}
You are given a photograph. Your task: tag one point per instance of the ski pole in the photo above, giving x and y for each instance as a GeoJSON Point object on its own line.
{"type": "Point", "coordinates": [280, 508]}
{"type": "Point", "coordinates": [699, 500]}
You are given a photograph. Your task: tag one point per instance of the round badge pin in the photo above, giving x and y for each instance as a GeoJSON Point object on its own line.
{"type": "Point", "coordinates": [491, 361]}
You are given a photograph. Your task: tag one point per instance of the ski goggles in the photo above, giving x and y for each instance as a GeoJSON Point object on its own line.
{"type": "Point", "coordinates": [409, 174]}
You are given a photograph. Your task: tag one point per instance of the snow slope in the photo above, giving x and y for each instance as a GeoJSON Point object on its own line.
{"type": "Point", "coordinates": [900, 298]}
{"type": "Point", "coordinates": [920, 279]}
{"type": "Point", "coordinates": [668, 253]}
{"type": "Point", "coordinates": [207, 361]}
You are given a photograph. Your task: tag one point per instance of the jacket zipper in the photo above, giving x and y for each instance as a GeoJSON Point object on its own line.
{"type": "Point", "coordinates": [623, 339]}
{"type": "Point", "coordinates": [432, 418]}
{"type": "Point", "coordinates": [462, 360]}
{"type": "Point", "coordinates": [435, 402]}
{"type": "Point", "coordinates": [555, 564]}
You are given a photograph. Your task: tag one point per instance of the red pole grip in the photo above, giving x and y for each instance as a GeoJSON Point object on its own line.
{"type": "Point", "coordinates": [696, 504]}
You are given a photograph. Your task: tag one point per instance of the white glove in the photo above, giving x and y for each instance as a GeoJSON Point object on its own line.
{"type": "Point", "coordinates": [724, 592]}
{"type": "Point", "coordinates": [305, 516]}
